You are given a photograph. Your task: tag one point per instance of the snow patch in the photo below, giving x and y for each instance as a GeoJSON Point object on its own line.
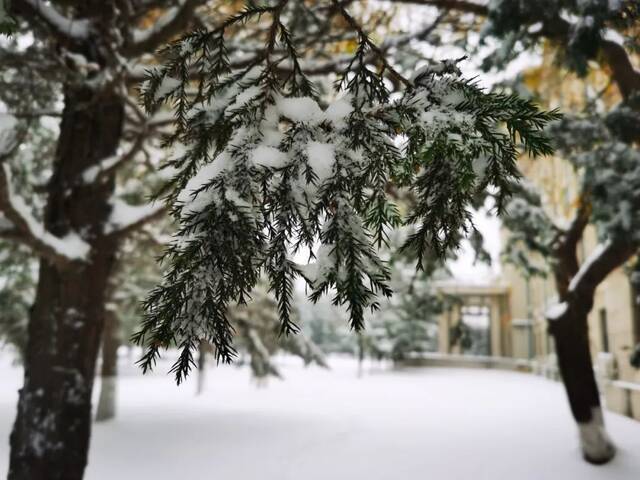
{"type": "Point", "coordinates": [166, 87]}
{"type": "Point", "coordinates": [300, 109]}
{"type": "Point", "coordinates": [124, 215]}
{"type": "Point", "coordinates": [269, 157]}
{"type": "Point", "coordinates": [584, 268]}
{"type": "Point", "coordinates": [554, 312]}
{"type": "Point", "coordinates": [338, 111]}
{"type": "Point", "coordinates": [193, 202]}
{"type": "Point", "coordinates": [322, 158]}
{"type": "Point", "coordinates": [596, 444]}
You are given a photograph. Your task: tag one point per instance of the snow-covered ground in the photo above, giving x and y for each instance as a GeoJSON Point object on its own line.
{"type": "Point", "coordinates": [441, 424]}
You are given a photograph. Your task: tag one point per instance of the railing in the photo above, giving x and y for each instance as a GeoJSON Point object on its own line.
{"type": "Point", "coordinates": [469, 361]}
{"type": "Point", "coordinates": [605, 370]}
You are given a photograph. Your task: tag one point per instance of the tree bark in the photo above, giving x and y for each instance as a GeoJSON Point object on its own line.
{"type": "Point", "coordinates": [106, 409]}
{"type": "Point", "coordinates": [50, 437]}
{"type": "Point", "coordinates": [571, 335]}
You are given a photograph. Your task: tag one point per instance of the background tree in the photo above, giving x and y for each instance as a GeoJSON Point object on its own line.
{"type": "Point", "coordinates": [76, 62]}
{"type": "Point", "coordinates": [407, 323]}
{"type": "Point", "coordinates": [257, 327]}
{"type": "Point", "coordinates": [599, 143]}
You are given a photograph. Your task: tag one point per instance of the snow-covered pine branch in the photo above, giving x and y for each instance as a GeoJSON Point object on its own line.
{"type": "Point", "coordinates": [268, 171]}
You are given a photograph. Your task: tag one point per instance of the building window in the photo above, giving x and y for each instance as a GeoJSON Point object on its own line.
{"type": "Point", "coordinates": [604, 332]}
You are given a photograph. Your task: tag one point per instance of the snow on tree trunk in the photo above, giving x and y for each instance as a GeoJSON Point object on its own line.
{"type": "Point", "coordinates": [50, 437]}
{"type": "Point", "coordinates": [106, 409]}
{"type": "Point", "coordinates": [571, 334]}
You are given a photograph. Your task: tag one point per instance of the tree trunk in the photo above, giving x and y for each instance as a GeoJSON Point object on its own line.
{"type": "Point", "coordinates": [202, 366]}
{"type": "Point", "coordinates": [571, 335]}
{"type": "Point", "coordinates": [106, 409]}
{"type": "Point", "coordinates": [360, 354]}
{"type": "Point", "coordinates": [50, 437]}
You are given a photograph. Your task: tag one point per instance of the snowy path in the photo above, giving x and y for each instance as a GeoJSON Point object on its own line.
{"type": "Point", "coordinates": [441, 424]}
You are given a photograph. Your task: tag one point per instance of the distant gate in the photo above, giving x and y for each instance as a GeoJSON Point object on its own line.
{"type": "Point", "coordinates": [477, 321]}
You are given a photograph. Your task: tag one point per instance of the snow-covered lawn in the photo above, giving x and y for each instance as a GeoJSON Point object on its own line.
{"type": "Point", "coordinates": [440, 424]}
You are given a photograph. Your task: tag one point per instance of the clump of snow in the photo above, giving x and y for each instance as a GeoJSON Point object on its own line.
{"type": "Point", "coordinates": [166, 87]}
{"type": "Point", "coordinates": [318, 271]}
{"type": "Point", "coordinates": [269, 157]}
{"type": "Point", "coordinates": [300, 109]}
{"type": "Point", "coordinates": [555, 311]}
{"type": "Point", "coordinates": [195, 202]}
{"type": "Point", "coordinates": [321, 159]}
{"type": "Point", "coordinates": [338, 111]}
{"type": "Point", "coordinates": [244, 97]}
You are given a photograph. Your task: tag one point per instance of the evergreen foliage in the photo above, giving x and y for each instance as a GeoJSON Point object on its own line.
{"type": "Point", "coordinates": [267, 172]}
{"type": "Point", "coordinates": [16, 293]}
{"type": "Point", "coordinates": [7, 23]}
{"type": "Point", "coordinates": [521, 24]}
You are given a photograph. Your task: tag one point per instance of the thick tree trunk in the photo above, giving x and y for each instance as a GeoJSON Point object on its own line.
{"type": "Point", "coordinates": [571, 334]}
{"type": "Point", "coordinates": [50, 437]}
{"type": "Point", "coordinates": [106, 409]}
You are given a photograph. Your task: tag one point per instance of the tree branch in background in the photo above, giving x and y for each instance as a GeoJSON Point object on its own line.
{"type": "Point", "coordinates": [168, 25]}
{"type": "Point", "coordinates": [20, 225]}
{"type": "Point", "coordinates": [566, 246]}
{"type": "Point", "coordinates": [460, 5]}
{"type": "Point", "coordinates": [41, 12]}
{"type": "Point", "coordinates": [557, 29]}
{"type": "Point", "coordinates": [603, 260]}
{"type": "Point", "coordinates": [126, 218]}
{"type": "Point", "coordinates": [110, 164]}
